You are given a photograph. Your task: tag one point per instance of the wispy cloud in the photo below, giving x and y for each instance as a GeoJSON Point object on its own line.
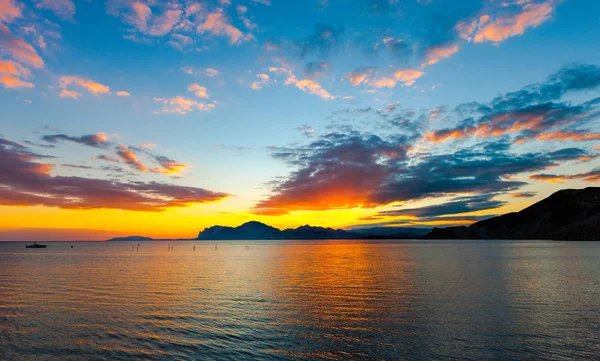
{"type": "Point", "coordinates": [182, 105]}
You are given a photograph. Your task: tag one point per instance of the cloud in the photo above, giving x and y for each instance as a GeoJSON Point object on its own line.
{"type": "Point", "coordinates": [360, 76]}
{"type": "Point", "coordinates": [316, 68]}
{"type": "Point", "coordinates": [198, 90]}
{"type": "Point", "coordinates": [369, 76]}
{"type": "Point", "coordinates": [107, 158]}
{"type": "Point", "coordinates": [263, 79]}
{"type": "Point", "coordinates": [218, 24]}
{"type": "Point", "coordinates": [561, 135]}
{"type": "Point", "coordinates": [264, 2]}
{"type": "Point", "coordinates": [346, 170]}
{"type": "Point", "coordinates": [12, 82]}
{"type": "Point", "coordinates": [122, 93]}
{"type": "Point", "coordinates": [523, 194]}
{"type": "Point", "coordinates": [593, 176]}
{"type": "Point", "coordinates": [69, 94]}
{"type": "Point", "coordinates": [311, 86]}
{"type": "Point", "coordinates": [182, 105]}
{"type": "Point", "coordinates": [324, 41]}
{"type": "Point", "coordinates": [18, 48]}
{"type": "Point", "coordinates": [532, 112]}
{"type": "Point", "coordinates": [514, 20]}
{"type": "Point", "coordinates": [163, 24]}
{"type": "Point", "coordinates": [168, 166]}
{"type": "Point", "coordinates": [9, 11]}
{"type": "Point", "coordinates": [98, 140]}
{"type": "Point", "coordinates": [64, 9]}
{"type": "Point", "coordinates": [93, 87]}
{"type": "Point", "coordinates": [147, 145]}
{"type": "Point", "coordinates": [129, 156]}
{"type": "Point", "coordinates": [210, 72]}
{"type": "Point", "coordinates": [336, 171]}
{"type": "Point", "coordinates": [438, 52]}
{"type": "Point", "coordinates": [458, 205]}
{"type": "Point", "coordinates": [24, 181]}
{"type": "Point", "coordinates": [408, 76]}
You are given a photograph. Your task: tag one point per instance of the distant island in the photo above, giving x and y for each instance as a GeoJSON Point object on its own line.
{"type": "Point", "coordinates": [259, 231]}
{"type": "Point", "coordinates": [569, 214]}
{"type": "Point", "coordinates": [131, 238]}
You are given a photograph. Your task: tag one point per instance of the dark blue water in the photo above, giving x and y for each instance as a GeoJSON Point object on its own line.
{"type": "Point", "coordinates": [321, 300]}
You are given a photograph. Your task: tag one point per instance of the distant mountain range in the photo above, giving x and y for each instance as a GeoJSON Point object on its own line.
{"type": "Point", "coordinates": [132, 238]}
{"type": "Point", "coordinates": [569, 214]}
{"type": "Point", "coordinates": [259, 231]}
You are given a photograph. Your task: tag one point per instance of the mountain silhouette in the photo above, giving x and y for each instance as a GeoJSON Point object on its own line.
{"type": "Point", "coordinates": [569, 214]}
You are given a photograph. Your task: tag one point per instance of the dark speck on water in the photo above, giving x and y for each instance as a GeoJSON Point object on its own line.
{"type": "Point", "coordinates": [309, 300]}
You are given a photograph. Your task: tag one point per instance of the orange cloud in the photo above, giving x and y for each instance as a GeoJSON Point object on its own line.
{"type": "Point", "coordinates": [198, 90]}
{"type": "Point", "coordinates": [169, 166]}
{"type": "Point", "coordinates": [9, 81]}
{"type": "Point", "coordinates": [440, 136]}
{"type": "Point", "coordinates": [88, 84]}
{"type": "Point", "coordinates": [360, 76]}
{"type": "Point", "coordinates": [439, 52]}
{"type": "Point", "coordinates": [131, 158]}
{"type": "Point", "coordinates": [561, 135]}
{"type": "Point", "coordinates": [408, 76]}
{"type": "Point", "coordinates": [10, 73]}
{"type": "Point", "coordinates": [502, 27]}
{"type": "Point", "coordinates": [593, 176]}
{"type": "Point", "coordinates": [313, 87]}
{"type": "Point", "coordinates": [69, 94]}
{"type": "Point", "coordinates": [218, 24]}
{"type": "Point", "coordinates": [122, 93]}
{"type": "Point", "coordinates": [383, 83]}
{"type": "Point", "coordinates": [9, 11]}
{"type": "Point", "coordinates": [18, 48]}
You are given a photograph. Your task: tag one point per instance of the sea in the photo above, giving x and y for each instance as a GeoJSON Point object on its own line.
{"type": "Point", "coordinates": [300, 300]}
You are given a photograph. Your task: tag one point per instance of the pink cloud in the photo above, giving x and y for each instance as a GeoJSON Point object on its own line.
{"type": "Point", "coordinates": [439, 52]}
{"type": "Point", "coordinates": [499, 28]}
{"type": "Point", "coordinates": [199, 91]}
{"type": "Point", "coordinates": [88, 84]}
{"type": "Point", "coordinates": [18, 48]}
{"type": "Point", "coordinates": [24, 181]}
{"type": "Point", "coordinates": [182, 105]}
{"type": "Point", "coordinates": [218, 24]}
{"type": "Point", "coordinates": [12, 82]}
{"type": "Point", "coordinates": [62, 8]}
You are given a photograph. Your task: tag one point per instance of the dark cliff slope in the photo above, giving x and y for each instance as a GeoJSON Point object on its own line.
{"type": "Point", "coordinates": [570, 214]}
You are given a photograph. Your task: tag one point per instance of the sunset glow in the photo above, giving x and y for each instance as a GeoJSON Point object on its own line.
{"type": "Point", "coordinates": [163, 118]}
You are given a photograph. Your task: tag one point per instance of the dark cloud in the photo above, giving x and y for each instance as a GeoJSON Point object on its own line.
{"type": "Point", "coordinates": [26, 181]}
{"type": "Point", "coordinates": [533, 111]}
{"type": "Point", "coordinates": [524, 194]}
{"type": "Point", "coordinates": [98, 140]}
{"type": "Point", "coordinates": [316, 68]}
{"type": "Point", "coordinates": [39, 144]}
{"type": "Point", "coordinates": [456, 206]}
{"type": "Point", "coordinates": [336, 171]}
{"type": "Point", "coordinates": [345, 171]}
{"type": "Point", "coordinates": [323, 42]}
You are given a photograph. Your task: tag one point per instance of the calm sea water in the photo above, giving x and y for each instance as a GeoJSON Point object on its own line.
{"type": "Point", "coordinates": [321, 300]}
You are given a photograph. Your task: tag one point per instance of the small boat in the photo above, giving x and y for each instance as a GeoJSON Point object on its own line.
{"type": "Point", "coordinates": [35, 245]}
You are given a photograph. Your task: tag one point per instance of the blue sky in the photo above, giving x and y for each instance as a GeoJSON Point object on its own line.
{"type": "Point", "coordinates": [237, 97]}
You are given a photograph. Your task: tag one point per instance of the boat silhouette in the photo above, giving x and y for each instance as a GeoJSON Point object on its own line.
{"type": "Point", "coordinates": [35, 245]}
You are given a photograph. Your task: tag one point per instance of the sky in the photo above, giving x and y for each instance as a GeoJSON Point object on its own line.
{"type": "Point", "coordinates": [161, 118]}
